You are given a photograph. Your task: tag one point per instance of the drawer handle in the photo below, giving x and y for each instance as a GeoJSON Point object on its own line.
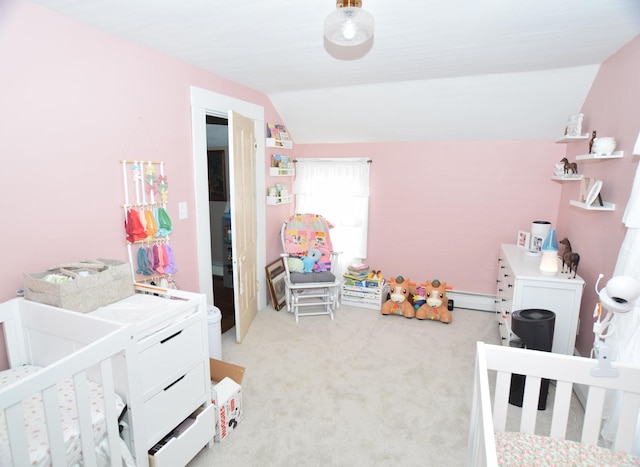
{"type": "Point", "coordinates": [176, 381]}
{"type": "Point", "coordinates": [170, 337]}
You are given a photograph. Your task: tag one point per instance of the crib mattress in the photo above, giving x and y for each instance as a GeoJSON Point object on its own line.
{"type": "Point", "coordinates": [36, 425]}
{"type": "Point", "coordinates": [516, 449]}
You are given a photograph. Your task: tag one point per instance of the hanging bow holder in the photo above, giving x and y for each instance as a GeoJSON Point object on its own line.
{"type": "Point", "coordinates": [147, 223]}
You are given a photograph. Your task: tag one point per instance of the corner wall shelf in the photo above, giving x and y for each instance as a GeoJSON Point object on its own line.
{"type": "Point", "coordinates": [571, 139]}
{"type": "Point", "coordinates": [593, 207]}
{"type": "Point", "coordinates": [570, 178]}
{"type": "Point", "coordinates": [613, 155]}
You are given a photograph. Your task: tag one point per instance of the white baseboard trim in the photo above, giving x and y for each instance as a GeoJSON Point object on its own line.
{"type": "Point", "coordinates": [472, 300]}
{"type": "Point", "coordinates": [217, 269]}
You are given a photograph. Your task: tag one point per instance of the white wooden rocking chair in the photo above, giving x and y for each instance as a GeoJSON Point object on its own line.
{"type": "Point", "coordinates": [319, 288]}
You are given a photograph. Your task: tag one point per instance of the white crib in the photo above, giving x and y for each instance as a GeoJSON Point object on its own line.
{"type": "Point", "coordinates": [491, 444]}
{"type": "Point", "coordinates": [61, 361]}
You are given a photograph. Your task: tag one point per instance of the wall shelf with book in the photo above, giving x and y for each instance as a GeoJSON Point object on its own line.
{"type": "Point", "coordinates": [278, 172]}
{"type": "Point", "coordinates": [278, 194]}
{"type": "Point", "coordinates": [275, 200]}
{"type": "Point", "coordinates": [281, 165]}
{"type": "Point", "coordinates": [278, 137]}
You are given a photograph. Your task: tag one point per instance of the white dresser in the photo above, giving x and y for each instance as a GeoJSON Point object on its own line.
{"type": "Point", "coordinates": [171, 384]}
{"type": "Point", "coordinates": [520, 286]}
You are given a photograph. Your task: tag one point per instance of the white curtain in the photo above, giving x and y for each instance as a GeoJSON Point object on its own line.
{"type": "Point", "coordinates": [624, 343]}
{"type": "Point", "coordinates": [337, 189]}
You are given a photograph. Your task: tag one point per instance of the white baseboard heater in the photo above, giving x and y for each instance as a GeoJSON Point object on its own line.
{"type": "Point", "coordinates": [472, 300]}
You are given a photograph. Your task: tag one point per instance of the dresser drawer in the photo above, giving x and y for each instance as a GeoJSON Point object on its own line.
{"type": "Point", "coordinates": [172, 404]}
{"type": "Point", "coordinates": [169, 355]}
{"type": "Point", "coordinates": [181, 449]}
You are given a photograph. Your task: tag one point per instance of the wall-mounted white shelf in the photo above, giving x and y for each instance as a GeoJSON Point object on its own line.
{"type": "Point", "coordinates": [573, 139]}
{"type": "Point", "coordinates": [282, 172]}
{"type": "Point", "coordinates": [594, 206]}
{"type": "Point", "coordinates": [274, 200]}
{"type": "Point", "coordinates": [278, 143]}
{"type": "Point", "coordinates": [568, 178]}
{"type": "Point", "coordinates": [594, 157]}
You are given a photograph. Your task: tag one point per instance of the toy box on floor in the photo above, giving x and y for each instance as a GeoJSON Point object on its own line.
{"type": "Point", "coordinates": [226, 395]}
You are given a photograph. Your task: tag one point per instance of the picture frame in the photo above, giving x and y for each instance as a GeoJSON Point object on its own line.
{"type": "Point", "coordinates": [217, 167]}
{"type": "Point", "coordinates": [275, 278]}
{"type": "Point", "coordinates": [279, 291]}
{"type": "Point", "coordinates": [524, 239]}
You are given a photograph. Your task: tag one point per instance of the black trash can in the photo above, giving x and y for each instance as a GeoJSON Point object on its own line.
{"type": "Point", "coordinates": [535, 328]}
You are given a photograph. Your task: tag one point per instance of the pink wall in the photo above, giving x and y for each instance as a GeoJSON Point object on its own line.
{"type": "Point", "coordinates": [75, 101]}
{"type": "Point", "coordinates": [613, 109]}
{"type": "Point", "coordinates": [441, 210]}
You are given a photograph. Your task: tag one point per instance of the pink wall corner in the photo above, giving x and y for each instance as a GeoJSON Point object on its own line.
{"type": "Point", "coordinates": [612, 109]}
{"type": "Point", "coordinates": [441, 209]}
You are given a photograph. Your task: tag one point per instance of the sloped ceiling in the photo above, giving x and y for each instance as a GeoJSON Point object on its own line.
{"type": "Point", "coordinates": [435, 70]}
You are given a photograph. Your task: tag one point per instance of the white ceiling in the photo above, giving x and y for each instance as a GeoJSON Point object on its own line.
{"type": "Point", "coordinates": [435, 69]}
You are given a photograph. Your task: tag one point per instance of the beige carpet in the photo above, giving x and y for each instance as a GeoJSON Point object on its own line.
{"type": "Point", "coordinates": [364, 389]}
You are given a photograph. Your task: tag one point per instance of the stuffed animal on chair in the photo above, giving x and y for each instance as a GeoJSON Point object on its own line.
{"type": "Point", "coordinates": [436, 307]}
{"type": "Point", "coordinates": [398, 303]}
{"type": "Point", "coordinates": [324, 262]}
{"type": "Point", "coordinates": [309, 261]}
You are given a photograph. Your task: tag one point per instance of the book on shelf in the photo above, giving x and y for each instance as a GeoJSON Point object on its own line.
{"type": "Point", "coordinates": [272, 131]}
{"type": "Point", "coordinates": [277, 131]}
{"type": "Point", "coordinates": [280, 161]}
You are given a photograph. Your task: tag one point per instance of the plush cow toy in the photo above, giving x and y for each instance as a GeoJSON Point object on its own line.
{"type": "Point", "coordinates": [436, 306]}
{"type": "Point", "coordinates": [398, 303]}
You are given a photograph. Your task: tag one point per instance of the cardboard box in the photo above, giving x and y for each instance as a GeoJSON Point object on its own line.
{"type": "Point", "coordinates": [220, 370]}
{"type": "Point", "coordinates": [226, 395]}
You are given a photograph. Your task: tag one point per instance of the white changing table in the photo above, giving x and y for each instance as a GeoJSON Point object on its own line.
{"type": "Point", "coordinates": [170, 374]}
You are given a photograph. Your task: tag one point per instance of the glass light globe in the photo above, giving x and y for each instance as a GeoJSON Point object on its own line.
{"type": "Point", "coordinates": [348, 26]}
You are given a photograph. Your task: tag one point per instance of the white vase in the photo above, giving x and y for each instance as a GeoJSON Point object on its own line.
{"type": "Point", "coordinates": [604, 146]}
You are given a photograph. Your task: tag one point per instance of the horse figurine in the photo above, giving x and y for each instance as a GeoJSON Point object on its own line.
{"type": "Point", "coordinates": [569, 258]}
{"type": "Point", "coordinates": [569, 166]}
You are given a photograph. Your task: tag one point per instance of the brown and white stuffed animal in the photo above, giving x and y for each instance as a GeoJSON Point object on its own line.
{"type": "Point", "coordinates": [398, 303]}
{"type": "Point", "coordinates": [437, 303]}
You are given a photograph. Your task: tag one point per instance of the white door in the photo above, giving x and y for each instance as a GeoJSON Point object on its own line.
{"type": "Point", "coordinates": [243, 220]}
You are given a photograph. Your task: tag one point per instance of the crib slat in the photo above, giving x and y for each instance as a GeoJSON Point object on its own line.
{"type": "Point", "coordinates": [561, 405]}
{"type": "Point", "coordinates": [530, 404]}
{"type": "Point", "coordinates": [627, 423]}
{"type": "Point", "coordinates": [84, 419]}
{"type": "Point", "coordinates": [17, 435]}
{"type": "Point", "coordinates": [108, 390]}
{"type": "Point", "coordinates": [593, 415]}
{"type": "Point", "coordinates": [500, 399]}
{"type": "Point", "coordinates": [54, 425]}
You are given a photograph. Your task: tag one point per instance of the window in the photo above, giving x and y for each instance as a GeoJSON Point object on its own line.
{"type": "Point", "coordinates": [337, 189]}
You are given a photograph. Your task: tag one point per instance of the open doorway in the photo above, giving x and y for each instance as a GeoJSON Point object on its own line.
{"type": "Point", "coordinates": [220, 218]}
{"type": "Point", "coordinates": [254, 282]}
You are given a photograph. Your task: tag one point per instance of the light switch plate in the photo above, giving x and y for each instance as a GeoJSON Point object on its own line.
{"type": "Point", "coordinates": [183, 212]}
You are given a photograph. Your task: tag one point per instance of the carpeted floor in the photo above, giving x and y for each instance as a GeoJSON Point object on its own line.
{"type": "Point", "coordinates": [364, 389]}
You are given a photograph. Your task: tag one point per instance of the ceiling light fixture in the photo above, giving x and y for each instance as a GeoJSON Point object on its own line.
{"type": "Point", "coordinates": [349, 24]}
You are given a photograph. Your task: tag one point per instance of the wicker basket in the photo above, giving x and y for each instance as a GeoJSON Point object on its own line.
{"type": "Point", "coordinates": [93, 284]}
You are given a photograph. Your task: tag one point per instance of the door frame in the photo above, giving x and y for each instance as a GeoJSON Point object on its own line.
{"type": "Point", "coordinates": [203, 103]}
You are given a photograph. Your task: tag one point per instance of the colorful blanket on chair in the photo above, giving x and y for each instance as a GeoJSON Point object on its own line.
{"type": "Point", "coordinates": [306, 231]}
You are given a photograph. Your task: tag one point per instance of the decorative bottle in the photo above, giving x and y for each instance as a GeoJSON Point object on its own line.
{"type": "Point", "coordinates": [549, 260]}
